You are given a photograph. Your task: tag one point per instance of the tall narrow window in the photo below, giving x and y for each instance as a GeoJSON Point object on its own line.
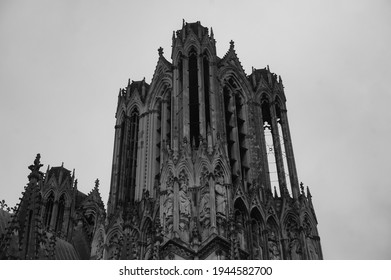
{"type": "Point", "coordinates": [235, 127]}
{"type": "Point", "coordinates": [206, 90]}
{"type": "Point", "coordinates": [60, 213]}
{"type": "Point", "coordinates": [230, 133]}
{"type": "Point", "coordinates": [282, 144]}
{"type": "Point", "coordinates": [168, 118]}
{"type": "Point", "coordinates": [270, 150]}
{"type": "Point", "coordinates": [240, 121]}
{"type": "Point", "coordinates": [159, 138]}
{"type": "Point", "coordinates": [131, 156]}
{"type": "Point", "coordinates": [193, 99]}
{"type": "Point", "coordinates": [48, 210]}
{"type": "Point", "coordinates": [179, 114]}
{"type": "Point", "coordinates": [121, 159]}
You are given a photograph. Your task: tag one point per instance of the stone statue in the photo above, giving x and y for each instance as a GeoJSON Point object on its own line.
{"type": "Point", "coordinates": [184, 201]}
{"type": "Point", "coordinates": [205, 204]}
{"type": "Point", "coordinates": [274, 253]}
{"type": "Point", "coordinates": [220, 196]}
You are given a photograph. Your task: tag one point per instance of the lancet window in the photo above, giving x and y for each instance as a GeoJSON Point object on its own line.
{"type": "Point", "coordinates": [48, 210]}
{"type": "Point", "coordinates": [194, 117]}
{"type": "Point", "coordinates": [60, 213]}
{"type": "Point", "coordinates": [131, 155]}
{"type": "Point", "coordinates": [235, 125]}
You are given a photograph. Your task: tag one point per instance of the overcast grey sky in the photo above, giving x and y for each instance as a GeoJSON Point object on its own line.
{"type": "Point", "coordinates": [63, 62]}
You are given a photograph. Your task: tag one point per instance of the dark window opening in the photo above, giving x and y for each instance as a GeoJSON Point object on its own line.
{"type": "Point", "coordinates": [193, 99]}
{"type": "Point", "coordinates": [120, 159]}
{"type": "Point", "coordinates": [206, 90]}
{"type": "Point", "coordinates": [240, 120]}
{"type": "Point", "coordinates": [60, 214]}
{"type": "Point", "coordinates": [48, 210]}
{"type": "Point", "coordinates": [131, 155]}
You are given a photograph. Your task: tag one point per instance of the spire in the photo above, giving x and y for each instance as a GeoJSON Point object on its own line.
{"type": "Point", "coordinates": [35, 173]}
{"type": "Point", "coordinates": [231, 45]}
{"type": "Point", "coordinates": [97, 184]}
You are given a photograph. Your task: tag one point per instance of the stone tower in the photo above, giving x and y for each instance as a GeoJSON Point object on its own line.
{"type": "Point", "coordinates": [203, 164]}
{"type": "Point", "coordinates": [53, 220]}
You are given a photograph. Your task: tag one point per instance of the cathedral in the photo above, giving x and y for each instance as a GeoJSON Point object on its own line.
{"type": "Point", "coordinates": [203, 168]}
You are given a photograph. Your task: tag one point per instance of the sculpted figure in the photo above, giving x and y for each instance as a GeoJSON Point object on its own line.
{"type": "Point", "coordinates": [184, 201]}
{"type": "Point", "coordinates": [220, 196]}
{"type": "Point", "coordinates": [168, 203]}
{"type": "Point", "coordinates": [204, 204]}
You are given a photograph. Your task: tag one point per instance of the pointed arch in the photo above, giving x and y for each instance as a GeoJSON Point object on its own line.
{"type": "Point", "coordinates": [199, 166]}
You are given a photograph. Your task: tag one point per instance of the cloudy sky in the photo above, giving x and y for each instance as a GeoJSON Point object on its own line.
{"type": "Point", "coordinates": [63, 62]}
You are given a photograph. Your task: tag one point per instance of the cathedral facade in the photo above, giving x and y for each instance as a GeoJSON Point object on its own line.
{"type": "Point", "coordinates": [203, 164]}
{"type": "Point", "coordinates": [203, 168]}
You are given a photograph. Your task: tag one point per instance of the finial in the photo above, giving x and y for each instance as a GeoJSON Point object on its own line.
{"type": "Point", "coordinates": [183, 22]}
{"type": "Point", "coordinates": [232, 44]}
{"type": "Point", "coordinates": [96, 183]}
{"type": "Point", "coordinates": [35, 173]}
{"type": "Point", "coordinates": [62, 164]}
{"type": "Point", "coordinates": [211, 33]}
{"type": "Point", "coordinates": [160, 50]}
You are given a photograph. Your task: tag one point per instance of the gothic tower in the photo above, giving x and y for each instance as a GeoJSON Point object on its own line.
{"type": "Point", "coordinates": [203, 163]}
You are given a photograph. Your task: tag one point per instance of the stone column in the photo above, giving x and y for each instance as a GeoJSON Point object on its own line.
{"type": "Point", "coordinates": [289, 154]}
{"type": "Point", "coordinates": [175, 209]}
{"type": "Point", "coordinates": [212, 200]}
